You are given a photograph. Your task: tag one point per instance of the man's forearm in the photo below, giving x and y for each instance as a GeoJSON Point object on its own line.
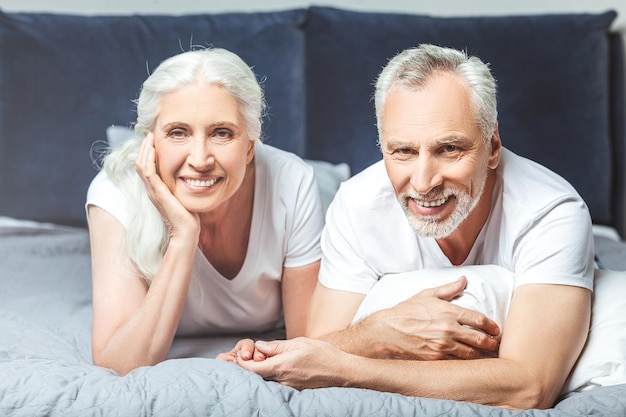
{"type": "Point", "coordinates": [361, 339]}
{"type": "Point", "coordinates": [494, 382]}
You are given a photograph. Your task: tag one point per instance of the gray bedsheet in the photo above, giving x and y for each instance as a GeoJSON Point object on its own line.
{"type": "Point", "coordinates": [46, 369]}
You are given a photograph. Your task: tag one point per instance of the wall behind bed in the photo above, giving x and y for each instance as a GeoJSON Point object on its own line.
{"type": "Point", "coordinates": [443, 8]}
{"type": "Point", "coordinates": [440, 8]}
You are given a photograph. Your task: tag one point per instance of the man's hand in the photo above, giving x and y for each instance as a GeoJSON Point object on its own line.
{"type": "Point", "coordinates": [299, 363]}
{"type": "Point", "coordinates": [426, 327]}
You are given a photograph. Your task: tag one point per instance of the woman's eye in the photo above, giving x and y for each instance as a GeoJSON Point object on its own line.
{"type": "Point", "coordinates": [222, 134]}
{"type": "Point", "coordinates": [177, 135]}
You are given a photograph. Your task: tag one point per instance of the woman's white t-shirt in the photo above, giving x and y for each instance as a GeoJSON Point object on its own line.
{"type": "Point", "coordinates": [287, 221]}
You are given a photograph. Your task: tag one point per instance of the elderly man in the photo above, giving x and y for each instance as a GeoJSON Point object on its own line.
{"type": "Point", "coordinates": [446, 193]}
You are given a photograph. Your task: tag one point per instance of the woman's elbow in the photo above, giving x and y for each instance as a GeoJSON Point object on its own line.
{"type": "Point", "coordinates": [121, 367]}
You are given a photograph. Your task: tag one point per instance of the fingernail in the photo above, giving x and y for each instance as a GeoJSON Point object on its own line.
{"type": "Point", "coordinates": [261, 343]}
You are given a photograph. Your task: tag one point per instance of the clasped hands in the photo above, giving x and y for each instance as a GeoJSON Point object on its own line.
{"type": "Point", "coordinates": [424, 327]}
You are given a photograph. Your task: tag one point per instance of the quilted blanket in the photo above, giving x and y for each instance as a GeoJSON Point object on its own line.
{"type": "Point", "coordinates": [46, 367]}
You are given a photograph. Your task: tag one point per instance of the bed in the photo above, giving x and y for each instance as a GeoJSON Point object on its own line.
{"type": "Point", "coordinates": [65, 79]}
{"type": "Point", "coordinates": [46, 368]}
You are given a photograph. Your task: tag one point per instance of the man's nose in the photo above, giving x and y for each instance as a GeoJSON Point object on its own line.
{"type": "Point", "coordinates": [426, 174]}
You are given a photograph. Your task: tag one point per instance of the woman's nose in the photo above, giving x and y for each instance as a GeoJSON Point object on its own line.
{"type": "Point", "coordinates": [200, 154]}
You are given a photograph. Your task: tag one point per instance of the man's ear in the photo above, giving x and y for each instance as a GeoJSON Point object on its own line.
{"type": "Point", "coordinates": [496, 149]}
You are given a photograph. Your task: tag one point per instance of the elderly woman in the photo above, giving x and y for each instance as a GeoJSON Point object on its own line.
{"type": "Point", "coordinates": [199, 228]}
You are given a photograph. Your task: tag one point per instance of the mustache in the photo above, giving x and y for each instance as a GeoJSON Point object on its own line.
{"type": "Point", "coordinates": [433, 194]}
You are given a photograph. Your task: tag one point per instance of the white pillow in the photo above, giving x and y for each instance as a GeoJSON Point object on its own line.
{"type": "Point", "coordinates": [328, 175]}
{"type": "Point", "coordinates": [12, 222]}
{"type": "Point", "coordinates": [603, 360]}
{"type": "Point", "coordinates": [116, 135]}
{"type": "Point", "coordinates": [489, 289]}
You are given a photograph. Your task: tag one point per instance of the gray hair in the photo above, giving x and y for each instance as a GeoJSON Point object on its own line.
{"type": "Point", "coordinates": [412, 68]}
{"type": "Point", "coordinates": [147, 235]}
{"type": "Point", "coordinates": [214, 66]}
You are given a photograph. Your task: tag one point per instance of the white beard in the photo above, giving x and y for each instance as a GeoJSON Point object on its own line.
{"type": "Point", "coordinates": [435, 226]}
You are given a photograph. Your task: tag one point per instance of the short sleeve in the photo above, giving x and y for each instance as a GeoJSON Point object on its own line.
{"type": "Point", "coordinates": [303, 242]}
{"type": "Point", "coordinates": [343, 265]}
{"type": "Point", "coordinates": [105, 194]}
{"type": "Point", "coordinates": [558, 248]}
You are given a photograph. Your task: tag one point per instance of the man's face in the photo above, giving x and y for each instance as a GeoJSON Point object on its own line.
{"type": "Point", "coordinates": [434, 153]}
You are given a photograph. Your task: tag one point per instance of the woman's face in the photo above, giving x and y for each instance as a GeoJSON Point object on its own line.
{"type": "Point", "coordinates": [202, 145]}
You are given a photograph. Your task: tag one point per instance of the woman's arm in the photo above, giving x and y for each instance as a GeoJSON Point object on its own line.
{"type": "Point", "coordinates": [297, 287]}
{"type": "Point", "coordinates": [134, 325]}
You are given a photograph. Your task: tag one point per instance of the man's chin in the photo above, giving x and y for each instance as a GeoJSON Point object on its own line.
{"type": "Point", "coordinates": [433, 228]}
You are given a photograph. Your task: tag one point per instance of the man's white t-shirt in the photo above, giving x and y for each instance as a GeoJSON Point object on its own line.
{"type": "Point", "coordinates": [287, 221]}
{"type": "Point", "coordinates": [539, 228]}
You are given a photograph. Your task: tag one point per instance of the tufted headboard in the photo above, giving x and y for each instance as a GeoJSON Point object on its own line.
{"type": "Point", "coordinates": [64, 79]}
{"type": "Point", "coordinates": [560, 81]}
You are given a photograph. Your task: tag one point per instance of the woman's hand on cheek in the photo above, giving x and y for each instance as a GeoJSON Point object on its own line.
{"type": "Point", "coordinates": [178, 219]}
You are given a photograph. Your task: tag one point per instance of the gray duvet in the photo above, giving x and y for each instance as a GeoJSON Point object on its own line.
{"type": "Point", "coordinates": [46, 369]}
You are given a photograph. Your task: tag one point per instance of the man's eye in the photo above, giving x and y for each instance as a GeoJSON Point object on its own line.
{"type": "Point", "coordinates": [405, 151]}
{"type": "Point", "coordinates": [399, 150]}
{"type": "Point", "coordinates": [450, 148]}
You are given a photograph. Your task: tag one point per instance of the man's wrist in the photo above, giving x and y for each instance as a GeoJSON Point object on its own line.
{"type": "Point", "coordinates": [373, 340]}
{"type": "Point", "coordinates": [362, 339]}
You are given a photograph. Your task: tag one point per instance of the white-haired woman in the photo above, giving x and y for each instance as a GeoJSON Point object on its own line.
{"type": "Point", "coordinates": [199, 228]}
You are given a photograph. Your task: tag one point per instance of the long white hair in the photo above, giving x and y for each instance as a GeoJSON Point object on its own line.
{"type": "Point", "coordinates": [147, 235]}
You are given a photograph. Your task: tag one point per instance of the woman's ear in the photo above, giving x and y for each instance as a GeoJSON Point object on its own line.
{"type": "Point", "coordinates": [496, 149]}
{"type": "Point", "coordinates": [251, 144]}
{"type": "Point", "coordinates": [150, 137]}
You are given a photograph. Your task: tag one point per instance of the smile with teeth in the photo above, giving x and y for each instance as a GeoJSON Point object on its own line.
{"type": "Point", "coordinates": [432, 203]}
{"type": "Point", "coordinates": [200, 183]}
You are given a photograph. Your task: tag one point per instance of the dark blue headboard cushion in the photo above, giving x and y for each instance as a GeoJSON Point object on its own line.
{"type": "Point", "coordinates": [64, 79]}
{"type": "Point", "coordinates": [552, 71]}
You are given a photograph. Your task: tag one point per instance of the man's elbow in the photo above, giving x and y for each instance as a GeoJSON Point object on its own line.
{"type": "Point", "coordinates": [534, 395]}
